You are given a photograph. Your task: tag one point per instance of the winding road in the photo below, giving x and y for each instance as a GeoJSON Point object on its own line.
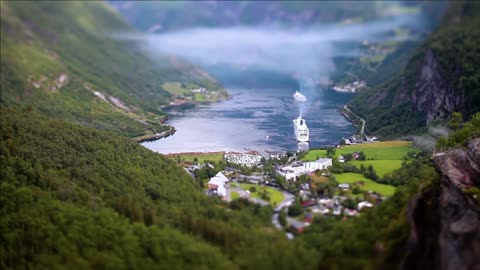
{"type": "Point", "coordinates": [288, 198]}
{"type": "Point", "coordinates": [345, 107]}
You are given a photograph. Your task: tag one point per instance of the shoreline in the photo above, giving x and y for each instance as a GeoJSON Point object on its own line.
{"type": "Point", "coordinates": [171, 131]}
{"type": "Point", "coordinates": [194, 102]}
{"type": "Point", "coordinates": [156, 136]}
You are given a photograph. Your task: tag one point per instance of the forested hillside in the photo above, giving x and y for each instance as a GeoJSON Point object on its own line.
{"type": "Point", "coordinates": [83, 198]}
{"type": "Point", "coordinates": [441, 77]}
{"type": "Point", "coordinates": [60, 58]}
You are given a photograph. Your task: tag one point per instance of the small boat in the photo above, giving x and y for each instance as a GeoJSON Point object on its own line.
{"type": "Point", "coordinates": [299, 97]}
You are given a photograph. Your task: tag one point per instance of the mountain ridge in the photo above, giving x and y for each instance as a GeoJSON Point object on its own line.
{"type": "Point", "coordinates": [65, 63]}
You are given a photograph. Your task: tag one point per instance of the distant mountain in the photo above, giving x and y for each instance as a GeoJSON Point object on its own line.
{"type": "Point", "coordinates": [441, 77]}
{"type": "Point", "coordinates": [160, 16]}
{"type": "Point", "coordinates": [60, 58]}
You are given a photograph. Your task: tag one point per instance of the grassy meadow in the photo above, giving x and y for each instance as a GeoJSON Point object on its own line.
{"type": "Point", "coordinates": [382, 167]}
{"type": "Point", "coordinates": [315, 154]}
{"type": "Point", "coordinates": [275, 196]}
{"type": "Point", "coordinates": [384, 157]}
{"type": "Point", "coordinates": [201, 157]}
{"type": "Point", "coordinates": [368, 185]}
{"type": "Point", "coordinates": [389, 150]}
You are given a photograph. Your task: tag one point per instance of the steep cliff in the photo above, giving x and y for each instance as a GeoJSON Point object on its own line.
{"type": "Point", "coordinates": [445, 217]}
{"type": "Point", "coordinates": [440, 78]}
{"type": "Point", "coordinates": [434, 94]}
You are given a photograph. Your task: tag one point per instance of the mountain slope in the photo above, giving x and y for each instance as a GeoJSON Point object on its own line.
{"type": "Point", "coordinates": [160, 16]}
{"type": "Point", "coordinates": [60, 58]}
{"type": "Point", "coordinates": [77, 197]}
{"type": "Point", "coordinates": [440, 78]}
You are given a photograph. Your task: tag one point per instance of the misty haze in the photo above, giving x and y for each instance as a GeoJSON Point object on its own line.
{"type": "Point", "coordinates": [240, 135]}
{"type": "Point", "coordinates": [275, 62]}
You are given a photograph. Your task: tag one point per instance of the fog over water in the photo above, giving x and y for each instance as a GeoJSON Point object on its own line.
{"type": "Point", "coordinates": [261, 68]}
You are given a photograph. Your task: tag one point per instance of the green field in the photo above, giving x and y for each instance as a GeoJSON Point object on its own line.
{"type": "Point", "coordinates": [200, 156]}
{"type": "Point", "coordinates": [382, 167]}
{"type": "Point", "coordinates": [234, 195]}
{"type": "Point", "coordinates": [315, 154]}
{"type": "Point", "coordinates": [390, 150]}
{"type": "Point", "coordinates": [175, 88]}
{"type": "Point", "coordinates": [275, 196]}
{"type": "Point", "coordinates": [368, 185]}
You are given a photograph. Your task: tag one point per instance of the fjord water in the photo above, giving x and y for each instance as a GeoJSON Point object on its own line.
{"type": "Point", "coordinates": [265, 67]}
{"type": "Point", "coordinates": [250, 115]}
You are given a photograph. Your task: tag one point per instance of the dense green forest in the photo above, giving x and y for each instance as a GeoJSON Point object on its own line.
{"type": "Point", "coordinates": [62, 59]}
{"type": "Point", "coordinates": [440, 77]}
{"type": "Point", "coordinates": [81, 198]}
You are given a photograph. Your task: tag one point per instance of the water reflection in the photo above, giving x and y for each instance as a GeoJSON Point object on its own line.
{"type": "Point", "coordinates": [259, 119]}
{"type": "Point", "coordinates": [302, 146]}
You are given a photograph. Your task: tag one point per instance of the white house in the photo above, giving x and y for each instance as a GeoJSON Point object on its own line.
{"type": "Point", "coordinates": [337, 211]}
{"type": "Point", "coordinates": [320, 164]}
{"type": "Point", "coordinates": [350, 212]}
{"type": "Point", "coordinates": [296, 169]}
{"type": "Point", "coordinates": [218, 183]}
{"type": "Point", "coordinates": [293, 170]}
{"type": "Point", "coordinates": [320, 210]}
{"type": "Point", "coordinates": [364, 204]}
{"type": "Point", "coordinates": [344, 186]}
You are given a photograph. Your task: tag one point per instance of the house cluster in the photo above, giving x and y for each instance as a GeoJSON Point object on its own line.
{"type": "Point", "coordinates": [294, 170]}
{"type": "Point", "coordinates": [357, 138]}
{"type": "Point", "coordinates": [199, 90]}
{"type": "Point", "coordinates": [249, 159]}
{"type": "Point", "coordinates": [354, 139]}
{"type": "Point", "coordinates": [350, 87]}
{"type": "Point", "coordinates": [333, 206]}
{"type": "Point", "coordinates": [252, 179]}
{"type": "Point", "coordinates": [275, 154]}
{"type": "Point", "coordinates": [217, 185]}
{"type": "Point", "coordinates": [355, 155]}
{"type": "Point", "coordinates": [326, 206]}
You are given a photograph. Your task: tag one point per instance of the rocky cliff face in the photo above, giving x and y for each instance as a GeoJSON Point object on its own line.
{"type": "Point", "coordinates": [435, 95]}
{"type": "Point", "coordinates": [444, 219]}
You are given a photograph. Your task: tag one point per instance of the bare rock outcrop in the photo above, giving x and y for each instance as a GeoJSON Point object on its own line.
{"type": "Point", "coordinates": [445, 219]}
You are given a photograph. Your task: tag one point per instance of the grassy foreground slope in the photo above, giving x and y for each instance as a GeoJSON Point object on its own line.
{"type": "Point", "coordinates": [59, 57]}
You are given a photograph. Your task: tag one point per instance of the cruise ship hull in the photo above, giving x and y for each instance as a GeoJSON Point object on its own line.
{"type": "Point", "coordinates": [301, 130]}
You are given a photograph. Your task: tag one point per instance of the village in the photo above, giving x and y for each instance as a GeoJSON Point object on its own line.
{"type": "Point", "coordinates": [299, 191]}
{"type": "Point", "coordinates": [350, 87]}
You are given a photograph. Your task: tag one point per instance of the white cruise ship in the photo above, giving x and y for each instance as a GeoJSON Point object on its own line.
{"type": "Point", "coordinates": [301, 129]}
